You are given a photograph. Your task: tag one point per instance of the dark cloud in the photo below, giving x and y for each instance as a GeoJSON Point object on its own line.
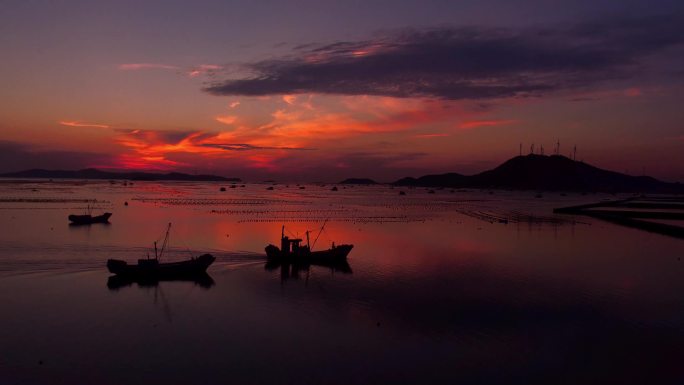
{"type": "Point", "coordinates": [18, 157]}
{"type": "Point", "coordinates": [466, 63]}
{"type": "Point", "coordinates": [164, 136]}
{"type": "Point", "coordinates": [248, 147]}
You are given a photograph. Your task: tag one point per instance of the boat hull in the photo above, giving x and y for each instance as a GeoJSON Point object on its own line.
{"type": "Point", "coordinates": [151, 268]}
{"type": "Point", "coordinates": [333, 255]}
{"type": "Point", "coordinates": [88, 219]}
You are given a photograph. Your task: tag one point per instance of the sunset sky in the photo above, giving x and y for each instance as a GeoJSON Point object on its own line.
{"type": "Point", "coordinates": [324, 90]}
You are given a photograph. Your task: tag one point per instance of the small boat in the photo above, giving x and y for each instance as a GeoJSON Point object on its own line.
{"type": "Point", "coordinates": [87, 219]}
{"type": "Point", "coordinates": [151, 267]}
{"type": "Point", "coordinates": [291, 250]}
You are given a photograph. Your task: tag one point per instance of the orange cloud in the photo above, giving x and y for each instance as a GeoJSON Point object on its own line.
{"type": "Point", "coordinates": [289, 99]}
{"type": "Point", "coordinates": [303, 125]}
{"type": "Point", "coordinates": [132, 162]}
{"type": "Point", "coordinates": [298, 126]}
{"type": "Point", "coordinates": [73, 123]}
{"type": "Point", "coordinates": [159, 150]}
{"type": "Point", "coordinates": [226, 119]}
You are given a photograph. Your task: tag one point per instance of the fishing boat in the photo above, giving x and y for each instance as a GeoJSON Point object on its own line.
{"type": "Point", "coordinates": [291, 250]}
{"type": "Point", "coordinates": [152, 267]}
{"type": "Point", "coordinates": [87, 218]}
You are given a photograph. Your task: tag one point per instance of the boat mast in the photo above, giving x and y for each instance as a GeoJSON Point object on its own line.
{"type": "Point", "coordinates": [319, 233]}
{"type": "Point", "coordinates": [166, 240]}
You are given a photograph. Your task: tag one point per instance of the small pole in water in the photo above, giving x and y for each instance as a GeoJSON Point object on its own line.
{"type": "Point", "coordinates": [155, 249]}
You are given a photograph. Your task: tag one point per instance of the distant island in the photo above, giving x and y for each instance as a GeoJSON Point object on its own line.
{"type": "Point", "coordinates": [358, 181]}
{"type": "Point", "coordinates": [91, 173]}
{"type": "Point", "coordinates": [551, 173]}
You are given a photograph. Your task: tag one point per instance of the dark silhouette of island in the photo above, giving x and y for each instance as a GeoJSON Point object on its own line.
{"type": "Point", "coordinates": [551, 173]}
{"type": "Point", "coordinates": [92, 173]}
{"type": "Point", "coordinates": [358, 181]}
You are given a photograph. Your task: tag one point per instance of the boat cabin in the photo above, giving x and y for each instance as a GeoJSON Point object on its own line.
{"type": "Point", "coordinates": [293, 246]}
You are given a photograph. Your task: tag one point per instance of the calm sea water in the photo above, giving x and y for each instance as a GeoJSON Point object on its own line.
{"type": "Point", "coordinates": [468, 287]}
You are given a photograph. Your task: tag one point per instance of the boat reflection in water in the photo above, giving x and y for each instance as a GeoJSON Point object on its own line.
{"type": "Point", "coordinates": [116, 282]}
{"type": "Point", "coordinates": [293, 270]}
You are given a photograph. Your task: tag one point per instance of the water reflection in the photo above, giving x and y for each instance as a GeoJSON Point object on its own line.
{"type": "Point", "coordinates": [294, 270]}
{"type": "Point", "coordinates": [441, 293]}
{"type": "Point", "coordinates": [116, 282]}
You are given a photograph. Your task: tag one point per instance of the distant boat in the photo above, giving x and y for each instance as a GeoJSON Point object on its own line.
{"type": "Point", "coordinates": [291, 250]}
{"type": "Point", "coordinates": [87, 219]}
{"type": "Point", "coordinates": [151, 267]}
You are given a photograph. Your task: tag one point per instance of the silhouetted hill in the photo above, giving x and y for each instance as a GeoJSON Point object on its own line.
{"type": "Point", "coordinates": [91, 173]}
{"type": "Point", "coordinates": [358, 181]}
{"type": "Point", "coordinates": [539, 172]}
{"type": "Point", "coordinates": [451, 179]}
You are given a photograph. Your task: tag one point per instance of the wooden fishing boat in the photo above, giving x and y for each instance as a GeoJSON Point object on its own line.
{"type": "Point", "coordinates": [87, 219]}
{"type": "Point", "coordinates": [291, 250]}
{"type": "Point", "coordinates": [152, 267]}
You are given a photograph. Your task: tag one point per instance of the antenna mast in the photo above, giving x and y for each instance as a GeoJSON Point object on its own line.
{"type": "Point", "coordinates": [166, 241]}
{"type": "Point", "coordinates": [319, 233]}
